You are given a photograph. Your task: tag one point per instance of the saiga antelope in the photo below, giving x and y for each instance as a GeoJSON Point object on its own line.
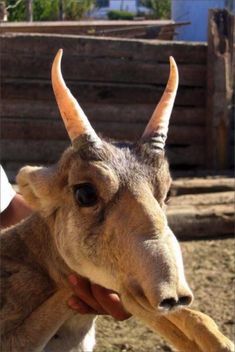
{"type": "Point", "coordinates": [99, 212]}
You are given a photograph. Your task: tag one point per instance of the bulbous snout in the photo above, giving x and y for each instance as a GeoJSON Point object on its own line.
{"type": "Point", "coordinates": [158, 282]}
{"type": "Point", "coordinates": [171, 303]}
{"type": "Point", "coordinates": [175, 293]}
{"type": "Point", "coordinates": [161, 295]}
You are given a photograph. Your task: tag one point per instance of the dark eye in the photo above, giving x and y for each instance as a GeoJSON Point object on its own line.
{"type": "Point", "coordinates": [85, 195]}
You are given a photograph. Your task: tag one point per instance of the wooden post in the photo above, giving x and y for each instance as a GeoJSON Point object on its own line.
{"type": "Point", "coordinates": [219, 87]}
{"type": "Point", "coordinates": [3, 11]}
{"type": "Point", "coordinates": [61, 10]}
{"type": "Point", "coordinates": [29, 10]}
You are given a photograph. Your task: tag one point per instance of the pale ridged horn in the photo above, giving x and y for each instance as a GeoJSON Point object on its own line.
{"type": "Point", "coordinates": [157, 127]}
{"type": "Point", "coordinates": [74, 118]}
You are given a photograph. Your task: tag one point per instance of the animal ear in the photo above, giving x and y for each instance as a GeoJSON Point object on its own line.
{"type": "Point", "coordinates": [37, 186]}
{"type": "Point", "coordinates": [74, 118]}
{"type": "Point", "coordinates": [157, 128]}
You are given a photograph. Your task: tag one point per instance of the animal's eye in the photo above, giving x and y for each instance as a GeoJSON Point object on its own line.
{"type": "Point", "coordinates": [85, 195]}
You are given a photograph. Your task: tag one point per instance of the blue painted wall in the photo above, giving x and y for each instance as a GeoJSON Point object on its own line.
{"type": "Point", "coordinates": [195, 11]}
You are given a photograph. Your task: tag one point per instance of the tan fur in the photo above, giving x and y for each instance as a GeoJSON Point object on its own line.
{"type": "Point", "coordinates": [122, 243]}
{"type": "Point", "coordinates": [128, 248]}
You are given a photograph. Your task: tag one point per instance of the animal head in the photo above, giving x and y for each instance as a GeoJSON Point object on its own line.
{"type": "Point", "coordinates": [106, 204]}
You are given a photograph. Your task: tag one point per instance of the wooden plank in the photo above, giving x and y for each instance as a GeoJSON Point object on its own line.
{"type": "Point", "coordinates": [101, 69]}
{"type": "Point", "coordinates": [92, 91]}
{"type": "Point", "coordinates": [151, 29]}
{"type": "Point", "coordinates": [79, 27]}
{"type": "Point", "coordinates": [106, 93]}
{"type": "Point", "coordinates": [156, 51]}
{"type": "Point", "coordinates": [49, 151]}
{"type": "Point", "coordinates": [215, 198]}
{"type": "Point", "coordinates": [121, 130]}
{"type": "Point", "coordinates": [101, 112]}
{"type": "Point", "coordinates": [200, 185]}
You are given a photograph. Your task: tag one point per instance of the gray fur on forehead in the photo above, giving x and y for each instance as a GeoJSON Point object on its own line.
{"type": "Point", "coordinates": [128, 160]}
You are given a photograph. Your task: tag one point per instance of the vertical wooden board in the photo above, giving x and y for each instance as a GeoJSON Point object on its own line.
{"type": "Point", "coordinates": [219, 88]}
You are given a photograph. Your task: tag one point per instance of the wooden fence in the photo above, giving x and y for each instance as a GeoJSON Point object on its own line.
{"type": "Point", "coordinates": [118, 83]}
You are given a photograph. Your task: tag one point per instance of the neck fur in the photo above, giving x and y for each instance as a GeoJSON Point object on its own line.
{"type": "Point", "coordinates": [35, 235]}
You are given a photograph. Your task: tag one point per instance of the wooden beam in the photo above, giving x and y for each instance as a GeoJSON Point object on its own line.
{"type": "Point", "coordinates": [203, 199]}
{"type": "Point", "coordinates": [202, 185]}
{"type": "Point", "coordinates": [24, 107]}
{"type": "Point", "coordinates": [219, 87]}
{"type": "Point", "coordinates": [150, 29]}
{"type": "Point", "coordinates": [19, 92]}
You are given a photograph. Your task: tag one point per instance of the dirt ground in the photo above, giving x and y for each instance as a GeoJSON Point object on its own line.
{"type": "Point", "coordinates": [209, 266]}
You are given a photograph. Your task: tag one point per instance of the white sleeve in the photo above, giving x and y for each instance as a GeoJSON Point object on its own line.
{"type": "Point", "coordinates": [7, 192]}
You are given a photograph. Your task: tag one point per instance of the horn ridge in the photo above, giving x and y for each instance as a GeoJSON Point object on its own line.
{"type": "Point", "coordinates": [159, 122]}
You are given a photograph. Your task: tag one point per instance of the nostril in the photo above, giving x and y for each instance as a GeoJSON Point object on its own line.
{"type": "Point", "coordinates": [184, 301]}
{"type": "Point", "coordinates": [168, 303]}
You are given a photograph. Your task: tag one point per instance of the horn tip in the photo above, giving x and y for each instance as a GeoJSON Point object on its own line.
{"type": "Point", "coordinates": [57, 61]}
{"type": "Point", "coordinates": [59, 53]}
{"type": "Point", "coordinates": [174, 68]}
{"type": "Point", "coordinates": [172, 60]}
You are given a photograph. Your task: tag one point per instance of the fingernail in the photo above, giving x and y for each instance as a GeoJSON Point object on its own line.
{"type": "Point", "coordinates": [73, 280]}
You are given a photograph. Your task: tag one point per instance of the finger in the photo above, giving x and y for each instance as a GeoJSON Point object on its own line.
{"type": "Point", "coordinates": [82, 289]}
{"type": "Point", "coordinates": [110, 302]}
{"type": "Point", "coordinates": [80, 306]}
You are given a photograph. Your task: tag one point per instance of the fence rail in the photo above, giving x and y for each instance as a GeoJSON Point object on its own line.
{"type": "Point", "coordinates": [149, 29]}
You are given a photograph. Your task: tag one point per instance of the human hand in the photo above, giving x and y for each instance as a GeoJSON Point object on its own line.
{"type": "Point", "coordinates": [90, 298]}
